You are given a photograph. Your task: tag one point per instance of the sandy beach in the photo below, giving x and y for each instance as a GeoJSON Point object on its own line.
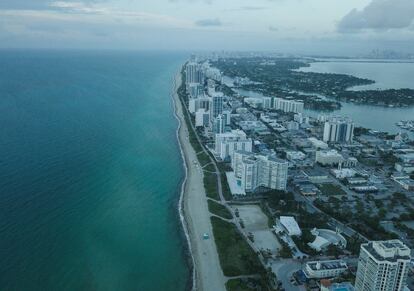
{"type": "Point", "coordinates": [196, 217]}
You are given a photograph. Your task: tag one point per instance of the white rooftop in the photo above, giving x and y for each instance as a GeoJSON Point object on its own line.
{"type": "Point", "coordinates": [290, 224]}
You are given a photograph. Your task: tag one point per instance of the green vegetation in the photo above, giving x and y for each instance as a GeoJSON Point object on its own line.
{"type": "Point", "coordinates": [285, 251]}
{"type": "Point", "coordinates": [209, 167]}
{"type": "Point", "coordinates": [210, 184]}
{"type": "Point", "coordinates": [362, 221]}
{"type": "Point", "coordinates": [331, 189]}
{"type": "Point", "coordinates": [236, 256]}
{"type": "Point", "coordinates": [353, 244]}
{"type": "Point", "coordinates": [358, 131]}
{"type": "Point", "coordinates": [203, 158]}
{"type": "Point", "coordinates": [225, 187]}
{"type": "Point", "coordinates": [280, 77]}
{"type": "Point", "coordinates": [240, 285]}
{"type": "Point", "coordinates": [302, 242]}
{"type": "Point", "coordinates": [219, 209]}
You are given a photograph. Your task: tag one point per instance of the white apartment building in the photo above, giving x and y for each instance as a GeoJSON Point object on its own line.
{"type": "Point", "coordinates": [338, 129]}
{"type": "Point", "coordinates": [194, 73]}
{"type": "Point", "coordinates": [229, 142]}
{"type": "Point", "coordinates": [254, 170]}
{"type": "Point", "coordinates": [287, 105]}
{"type": "Point", "coordinates": [325, 269]}
{"type": "Point", "coordinates": [382, 266]}
{"type": "Point", "coordinates": [216, 105]}
{"type": "Point", "coordinates": [202, 118]}
{"type": "Point", "coordinates": [328, 158]}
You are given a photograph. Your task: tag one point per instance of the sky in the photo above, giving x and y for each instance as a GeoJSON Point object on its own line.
{"type": "Point", "coordinates": [308, 26]}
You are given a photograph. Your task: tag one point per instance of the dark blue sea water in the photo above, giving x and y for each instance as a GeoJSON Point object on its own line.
{"type": "Point", "coordinates": [89, 172]}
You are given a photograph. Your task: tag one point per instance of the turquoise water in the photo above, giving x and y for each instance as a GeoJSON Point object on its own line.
{"type": "Point", "coordinates": [90, 172]}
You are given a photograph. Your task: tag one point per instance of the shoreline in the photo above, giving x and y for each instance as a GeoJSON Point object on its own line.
{"type": "Point", "coordinates": [181, 213]}
{"type": "Point", "coordinates": [193, 209]}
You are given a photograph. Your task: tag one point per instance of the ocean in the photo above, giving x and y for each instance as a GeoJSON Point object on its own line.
{"type": "Point", "coordinates": [90, 172]}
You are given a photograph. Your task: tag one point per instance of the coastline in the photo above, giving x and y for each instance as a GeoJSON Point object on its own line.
{"type": "Point", "coordinates": [193, 210]}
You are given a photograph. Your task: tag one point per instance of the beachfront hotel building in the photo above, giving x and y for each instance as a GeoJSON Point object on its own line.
{"type": "Point", "coordinates": [229, 142]}
{"type": "Point", "coordinates": [255, 170]}
{"type": "Point", "coordinates": [202, 118]}
{"type": "Point", "coordinates": [338, 130]}
{"type": "Point", "coordinates": [382, 266]}
{"type": "Point", "coordinates": [194, 73]}
{"type": "Point", "coordinates": [200, 103]}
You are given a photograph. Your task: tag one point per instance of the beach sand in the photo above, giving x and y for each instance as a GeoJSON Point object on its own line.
{"type": "Point", "coordinates": [208, 273]}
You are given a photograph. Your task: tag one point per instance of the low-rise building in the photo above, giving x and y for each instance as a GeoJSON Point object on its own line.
{"type": "Point", "coordinates": [324, 269]}
{"type": "Point", "coordinates": [318, 144]}
{"type": "Point", "coordinates": [407, 184]}
{"type": "Point", "coordinates": [328, 158]}
{"type": "Point", "coordinates": [290, 225]}
{"type": "Point", "coordinates": [343, 173]}
{"type": "Point", "coordinates": [295, 156]}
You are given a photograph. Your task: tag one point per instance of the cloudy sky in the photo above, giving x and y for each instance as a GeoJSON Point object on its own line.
{"type": "Point", "coordinates": [331, 26]}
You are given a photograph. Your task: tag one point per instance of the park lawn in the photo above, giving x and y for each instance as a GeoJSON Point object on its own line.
{"type": "Point", "coordinates": [210, 184]}
{"type": "Point", "coordinates": [236, 256]}
{"type": "Point", "coordinates": [219, 210]}
{"type": "Point", "coordinates": [242, 285]}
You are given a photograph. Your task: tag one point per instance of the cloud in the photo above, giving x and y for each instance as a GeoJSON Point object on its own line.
{"type": "Point", "coordinates": [36, 4]}
{"type": "Point", "coordinates": [247, 8]}
{"type": "Point", "coordinates": [379, 15]}
{"type": "Point", "coordinates": [209, 22]}
{"type": "Point", "coordinates": [273, 28]}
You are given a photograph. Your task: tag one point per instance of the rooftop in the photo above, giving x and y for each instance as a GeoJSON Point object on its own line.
{"type": "Point", "coordinates": [391, 250]}
{"type": "Point", "coordinates": [327, 265]}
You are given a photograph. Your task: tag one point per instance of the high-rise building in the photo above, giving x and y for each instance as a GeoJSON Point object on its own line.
{"type": "Point", "coordinates": [200, 103]}
{"type": "Point", "coordinates": [382, 266]}
{"type": "Point", "coordinates": [202, 118]}
{"type": "Point", "coordinates": [216, 106]}
{"type": "Point", "coordinates": [229, 142]}
{"type": "Point", "coordinates": [194, 73]}
{"type": "Point", "coordinates": [255, 170]}
{"type": "Point", "coordinates": [219, 124]}
{"type": "Point", "coordinates": [195, 90]}
{"type": "Point", "coordinates": [339, 130]}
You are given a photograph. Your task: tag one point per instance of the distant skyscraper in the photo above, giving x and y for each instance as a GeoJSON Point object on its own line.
{"type": "Point", "coordinates": [338, 129]}
{"type": "Point", "coordinates": [382, 266]}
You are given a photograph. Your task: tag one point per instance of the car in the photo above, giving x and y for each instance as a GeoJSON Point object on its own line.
{"type": "Point", "coordinates": [206, 236]}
